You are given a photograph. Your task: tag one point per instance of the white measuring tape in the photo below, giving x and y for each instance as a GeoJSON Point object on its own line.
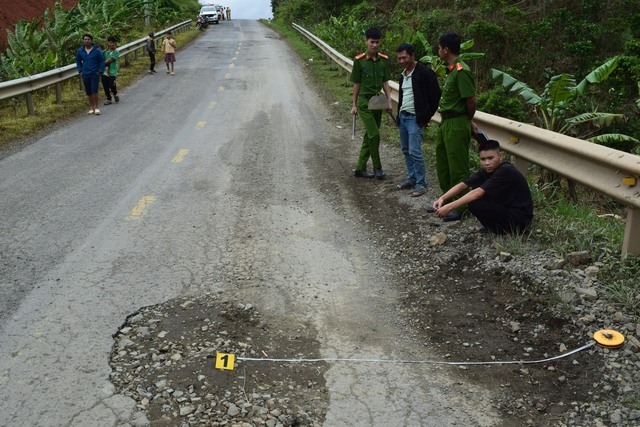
{"type": "Point", "coordinates": [431, 362]}
{"type": "Point", "coordinates": [605, 338]}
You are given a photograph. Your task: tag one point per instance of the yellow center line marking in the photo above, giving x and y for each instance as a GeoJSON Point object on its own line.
{"type": "Point", "coordinates": [141, 207]}
{"type": "Point", "coordinates": [212, 105]}
{"type": "Point", "coordinates": [232, 65]}
{"type": "Point", "coordinates": [200, 124]}
{"type": "Point", "coordinates": [227, 76]}
{"type": "Point", "coordinates": [221, 89]}
{"type": "Point", "coordinates": [180, 156]}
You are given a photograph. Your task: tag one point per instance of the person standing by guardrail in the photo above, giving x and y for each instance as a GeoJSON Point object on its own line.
{"type": "Point", "coordinates": [151, 50]}
{"type": "Point", "coordinates": [111, 56]}
{"type": "Point", "coordinates": [90, 65]}
{"type": "Point", "coordinates": [369, 75]}
{"type": "Point", "coordinates": [419, 94]}
{"type": "Point", "coordinates": [228, 13]}
{"type": "Point", "coordinates": [457, 108]}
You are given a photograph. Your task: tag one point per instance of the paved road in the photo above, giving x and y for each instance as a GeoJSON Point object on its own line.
{"type": "Point", "coordinates": [199, 181]}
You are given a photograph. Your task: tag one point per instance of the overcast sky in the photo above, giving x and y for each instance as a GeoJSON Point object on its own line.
{"type": "Point", "coordinates": [245, 9]}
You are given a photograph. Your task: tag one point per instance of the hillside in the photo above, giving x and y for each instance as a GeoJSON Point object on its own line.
{"type": "Point", "coordinates": [12, 12]}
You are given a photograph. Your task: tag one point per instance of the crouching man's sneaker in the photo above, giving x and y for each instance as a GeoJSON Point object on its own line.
{"type": "Point", "coordinates": [452, 216]}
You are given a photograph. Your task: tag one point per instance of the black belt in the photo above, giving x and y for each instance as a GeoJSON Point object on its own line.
{"type": "Point", "coordinates": [450, 114]}
{"type": "Point", "coordinates": [406, 113]}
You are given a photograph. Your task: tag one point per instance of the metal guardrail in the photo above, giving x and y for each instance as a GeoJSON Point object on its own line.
{"type": "Point", "coordinates": [27, 85]}
{"type": "Point", "coordinates": [608, 171]}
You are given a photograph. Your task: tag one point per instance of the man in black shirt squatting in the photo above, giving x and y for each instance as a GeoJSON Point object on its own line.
{"type": "Point", "coordinates": [500, 198]}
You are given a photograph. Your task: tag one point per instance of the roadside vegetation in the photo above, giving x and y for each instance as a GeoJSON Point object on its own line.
{"type": "Point", "coordinates": [534, 42]}
{"type": "Point", "coordinates": [595, 224]}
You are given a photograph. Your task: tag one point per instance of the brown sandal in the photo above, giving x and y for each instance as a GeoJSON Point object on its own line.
{"type": "Point", "coordinates": [417, 192]}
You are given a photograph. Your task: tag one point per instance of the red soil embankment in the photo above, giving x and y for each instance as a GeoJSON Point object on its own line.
{"type": "Point", "coordinates": [12, 11]}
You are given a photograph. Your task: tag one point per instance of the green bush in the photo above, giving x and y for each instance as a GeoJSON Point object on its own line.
{"type": "Point", "coordinates": [499, 102]}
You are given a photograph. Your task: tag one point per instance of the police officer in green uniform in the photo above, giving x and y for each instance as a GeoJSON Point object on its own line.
{"type": "Point", "coordinates": [457, 107]}
{"type": "Point", "coordinates": [370, 74]}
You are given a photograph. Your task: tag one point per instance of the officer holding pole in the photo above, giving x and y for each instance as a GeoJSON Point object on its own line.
{"type": "Point", "coordinates": [370, 74]}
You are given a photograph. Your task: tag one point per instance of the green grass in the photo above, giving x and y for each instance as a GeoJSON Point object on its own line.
{"type": "Point", "coordinates": [16, 124]}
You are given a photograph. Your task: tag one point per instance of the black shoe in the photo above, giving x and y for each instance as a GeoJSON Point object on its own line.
{"type": "Point", "coordinates": [452, 216]}
{"type": "Point", "coordinates": [406, 185]}
{"type": "Point", "coordinates": [362, 174]}
{"type": "Point", "coordinates": [379, 173]}
{"type": "Point", "coordinates": [117, 98]}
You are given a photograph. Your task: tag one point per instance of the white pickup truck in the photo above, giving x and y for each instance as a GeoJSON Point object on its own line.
{"type": "Point", "coordinates": [210, 14]}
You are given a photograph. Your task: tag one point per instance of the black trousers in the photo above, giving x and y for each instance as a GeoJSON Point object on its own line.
{"type": "Point", "coordinates": [496, 218]}
{"type": "Point", "coordinates": [109, 86]}
{"type": "Point", "coordinates": [152, 60]}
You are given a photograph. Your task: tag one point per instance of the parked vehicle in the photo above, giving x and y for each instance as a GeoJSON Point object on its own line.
{"type": "Point", "coordinates": [201, 23]}
{"type": "Point", "coordinates": [210, 14]}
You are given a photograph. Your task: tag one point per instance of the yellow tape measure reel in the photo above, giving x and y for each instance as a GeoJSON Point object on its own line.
{"type": "Point", "coordinates": [609, 338]}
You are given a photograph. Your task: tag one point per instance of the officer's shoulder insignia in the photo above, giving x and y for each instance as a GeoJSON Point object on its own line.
{"type": "Point", "coordinates": [459, 66]}
{"type": "Point", "coordinates": [360, 56]}
{"type": "Point", "coordinates": [383, 55]}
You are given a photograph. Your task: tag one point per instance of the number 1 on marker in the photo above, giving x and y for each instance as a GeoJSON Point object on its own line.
{"type": "Point", "coordinates": [225, 361]}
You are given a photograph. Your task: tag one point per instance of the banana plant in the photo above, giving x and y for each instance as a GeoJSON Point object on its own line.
{"type": "Point", "coordinates": [437, 64]}
{"type": "Point", "coordinates": [553, 108]}
{"type": "Point", "coordinates": [62, 32]}
{"type": "Point", "coordinates": [28, 51]}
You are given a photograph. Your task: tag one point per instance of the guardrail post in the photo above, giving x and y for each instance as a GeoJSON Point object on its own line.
{"type": "Point", "coordinates": [30, 109]}
{"type": "Point", "coordinates": [58, 93]}
{"type": "Point", "coordinates": [522, 165]}
{"type": "Point", "coordinates": [631, 242]}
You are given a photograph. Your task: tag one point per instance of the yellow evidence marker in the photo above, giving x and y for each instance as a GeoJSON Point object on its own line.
{"type": "Point", "coordinates": [225, 361]}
